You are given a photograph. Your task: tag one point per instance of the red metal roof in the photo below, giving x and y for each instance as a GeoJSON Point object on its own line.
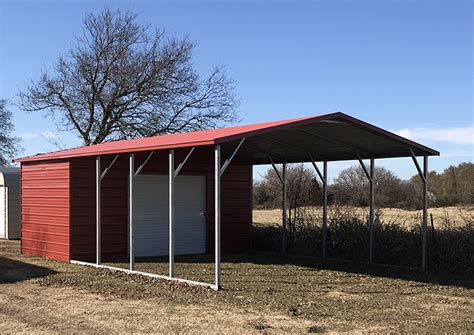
{"type": "Point", "coordinates": [195, 138]}
{"type": "Point", "coordinates": [209, 137]}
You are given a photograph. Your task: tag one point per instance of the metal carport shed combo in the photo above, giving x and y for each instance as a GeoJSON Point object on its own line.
{"type": "Point", "coordinates": [120, 199]}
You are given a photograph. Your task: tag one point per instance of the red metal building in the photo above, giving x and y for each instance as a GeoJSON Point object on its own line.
{"type": "Point", "coordinates": [58, 205]}
{"type": "Point", "coordinates": [183, 193]}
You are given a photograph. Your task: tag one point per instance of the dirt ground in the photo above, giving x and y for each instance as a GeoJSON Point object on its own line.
{"type": "Point", "coordinates": [453, 216]}
{"type": "Point", "coordinates": [261, 293]}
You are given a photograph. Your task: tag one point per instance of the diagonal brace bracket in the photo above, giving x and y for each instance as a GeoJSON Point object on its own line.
{"type": "Point", "coordinates": [369, 177]}
{"type": "Point", "coordinates": [227, 162]}
{"type": "Point", "coordinates": [180, 166]}
{"type": "Point", "coordinates": [318, 171]}
{"type": "Point", "coordinates": [109, 167]}
{"type": "Point", "coordinates": [417, 165]}
{"type": "Point", "coordinates": [276, 170]}
{"type": "Point", "coordinates": [140, 168]}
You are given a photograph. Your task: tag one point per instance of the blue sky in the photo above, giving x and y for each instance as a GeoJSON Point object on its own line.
{"type": "Point", "coordinates": [403, 65]}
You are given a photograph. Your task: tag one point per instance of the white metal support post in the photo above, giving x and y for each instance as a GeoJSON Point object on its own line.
{"type": "Point", "coordinates": [425, 211]}
{"type": "Point", "coordinates": [324, 180]}
{"type": "Point", "coordinates": [218, 172]}
{"type": "Point", "coordinates": [173, 173]}
{"type": "Point", "coordinates": [325, 207]}
{"type": "Point", "coordinates": [424, 179]}
{"type": "Point", "coordinates": [98, 178]}
{"type": "Point", "coordinates": [282, 178]}
{"type": "Point", "coordinates": [171, 213]}
{"type": "Point", "coordinates": [130, 210]}
{"type": "Point", "coordinates": [371, 211]}
{"type": "Point", "coordinates": [370, 177]}
{"type": "Point", "coordinates": [284, 207]}
{"type": "Point", "coordinates": [217, 214]}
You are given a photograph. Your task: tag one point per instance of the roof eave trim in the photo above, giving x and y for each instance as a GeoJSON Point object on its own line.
{"type": "Point", "coordinates": [40, 158]}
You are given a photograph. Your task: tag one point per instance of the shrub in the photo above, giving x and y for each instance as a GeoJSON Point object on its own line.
{"type": "Point", "coordinates": [450, 249]}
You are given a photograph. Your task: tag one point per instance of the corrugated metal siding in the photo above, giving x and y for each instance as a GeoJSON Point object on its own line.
{"type": "Point", "coordinates": [236, 202]}
{"type": "Point", "coordinates": [114, 209]}
{"type": "Point", "coordinates": [236, 209]}
{"type": "Point", "coordinates": [45, 196]}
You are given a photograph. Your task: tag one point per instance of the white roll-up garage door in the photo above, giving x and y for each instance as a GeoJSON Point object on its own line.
{"type": "Point", "coordinates": [150, 214]}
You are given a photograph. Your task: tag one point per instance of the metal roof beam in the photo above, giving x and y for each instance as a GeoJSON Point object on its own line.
{"type": "Point", "coordinates": [266, 154]}
{"type": "Point", "coordinates": [347, 145]}
{"type": "Point", "coordinates": [283, 143]}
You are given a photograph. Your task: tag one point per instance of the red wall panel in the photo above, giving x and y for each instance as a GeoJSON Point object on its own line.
{"type": "Point", "coordinates": [45, 199]}
{"type": "Point", "coordinates": [236, 209]}
{"type": "Point", "coordinates": [113, 209]}
{"type": "Point", "coordinates": [236, 202]}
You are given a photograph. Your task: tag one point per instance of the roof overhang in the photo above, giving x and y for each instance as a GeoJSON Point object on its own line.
{"type": "Point", "coordinates": [336, 137]}
{"type": "Point", "coordinates": [331, 137]}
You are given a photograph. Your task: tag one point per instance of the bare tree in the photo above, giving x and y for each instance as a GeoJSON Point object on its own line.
{"type": "Point", "coordinates": [121, 81]}
{"type": "Point", "coordinates": [8, 143]}
{"type": "Point", "coordinates": [352, 187]}
{"type": "Point", "coordinates": [303, 188]}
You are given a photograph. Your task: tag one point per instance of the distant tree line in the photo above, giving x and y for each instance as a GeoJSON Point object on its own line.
{"type": "Point", "coordinates": [454, 186]}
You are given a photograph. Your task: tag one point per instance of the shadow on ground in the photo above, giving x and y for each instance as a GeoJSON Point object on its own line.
{"type": "Point", "coordinates": [356, 267]}
{"type": "Point", "coordinates": [311, 263]}
{"type": "Point", "coordinates": [13, 271]}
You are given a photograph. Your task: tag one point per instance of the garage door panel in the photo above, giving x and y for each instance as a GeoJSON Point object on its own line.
{"type": "Point", "coordinates": [151, 215]}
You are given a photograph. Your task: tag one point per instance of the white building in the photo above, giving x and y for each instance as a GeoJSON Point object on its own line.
{"type": "Point", "coordinates": [9, 203]}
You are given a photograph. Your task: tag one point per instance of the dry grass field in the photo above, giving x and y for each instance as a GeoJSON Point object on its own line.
{"type": "Point", "coordinates": [454, 216]}
{"type": "Point", "coordinates": [262, 293]}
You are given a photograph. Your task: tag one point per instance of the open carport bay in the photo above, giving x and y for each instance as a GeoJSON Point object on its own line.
{"type": "Point", "coordinates": [262, 292]}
